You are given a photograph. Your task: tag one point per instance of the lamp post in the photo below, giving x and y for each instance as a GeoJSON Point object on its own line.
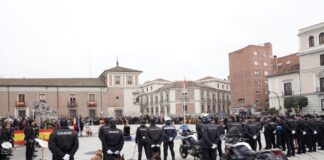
{"type": "Point", "coordinates": [277, 98]}
{"type": "Point", "coordinates": [184, 95]}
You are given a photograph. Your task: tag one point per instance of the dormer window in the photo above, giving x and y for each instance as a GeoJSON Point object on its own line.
{"type": "Point", "coordinates": [321, 38]}
{"type": "Point", "coordinates": [311, 41]}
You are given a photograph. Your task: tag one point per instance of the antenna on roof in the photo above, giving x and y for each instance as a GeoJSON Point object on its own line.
{"type": "Point", "coordinates": [117, 63]}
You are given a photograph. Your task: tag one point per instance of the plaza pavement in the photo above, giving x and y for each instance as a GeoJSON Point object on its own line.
{"type": "Point", "coordinates": [88, 146]}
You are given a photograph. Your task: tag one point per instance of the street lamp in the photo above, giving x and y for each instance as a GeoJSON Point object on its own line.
{"type": "Point", "coordinates": [184, 94]}
{"type": "Point", "coordinates": [277, 98]}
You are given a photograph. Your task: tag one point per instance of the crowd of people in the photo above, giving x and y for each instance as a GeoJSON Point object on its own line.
{"type": "Point", "coordinates": [294, 134]}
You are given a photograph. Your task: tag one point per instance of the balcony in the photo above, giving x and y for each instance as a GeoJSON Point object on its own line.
{"type": "Point", "coordinates": [92, 104]}
{"type": "Point", "coordinates": [20, 104]}
{"type": "Point", "coordinates": [320, 90]}
{"type": "Point", "coordinates": [287, 93]}
{"type": "Point", "coordinates": [72, 104]}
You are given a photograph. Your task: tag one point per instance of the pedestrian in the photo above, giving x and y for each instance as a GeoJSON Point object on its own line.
{"type": "Point", "coordinates": [64, 142]}
{"type": "Point", "coordinates": [169, 133]}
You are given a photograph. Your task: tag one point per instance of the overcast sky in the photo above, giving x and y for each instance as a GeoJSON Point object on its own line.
{"type": "Point", "coordinates": [164, 39]}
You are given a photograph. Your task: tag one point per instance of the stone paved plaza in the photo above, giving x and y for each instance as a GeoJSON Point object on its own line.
{"type": "Point", "coordinates": [88, 145]}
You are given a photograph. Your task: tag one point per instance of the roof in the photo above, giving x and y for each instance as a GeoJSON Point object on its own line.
{"type": "Point", "coordinates": [179, 84]}
{"type": "Point", "coordinates": [121, 69]}
{"type": "Point", "coordinates": [206, 78]}
{"type": "Point", "coordinates": [267, 44]}
{"type": "Point", "coordinates": [291, 69]}
{"type": "Point", "coordinates": [53, 82]}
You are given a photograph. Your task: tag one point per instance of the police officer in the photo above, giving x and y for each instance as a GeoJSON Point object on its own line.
{"type": "Point", "coordinates": [252, 132]}
{"type": "Point", "coordinates": [199, 126]}
{"type": "Point", "coordinates": [101, 133]}
{"type": "Point", "coordinates": [281, 130]}
{"type": "Point", "coordinates": [260, 126]}
{"type": "Point", "coordinates": [290, 134]}
{"type": "Point", "coordinates": [64, 142]}
{"type": "Point", "coordinates": [321, 132]}
{"type": "Point", "coordinates": [30, 139]}
{"type": "Point", "coordinates": [221, 131]}
{"type": "Point", "coordinates": [169, 133]}
{"type": "Point", "coordinates": [5, 134]}
{"type": "Point", "coordinates": [113, 141]}
{"type": "Point", "coordinates": [141, 141]}
{"type": "Point", "coordinates": [312, 133]}
{"type": "Point", "coordinates": [301, 133]}
{"type": "Point", "coordinates": [210, 138]}
{"type": "Point", "coordinates": [154, 137]}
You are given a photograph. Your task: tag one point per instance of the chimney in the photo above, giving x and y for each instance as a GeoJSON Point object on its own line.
{"type": "Point", "coordinates": [275, 64]}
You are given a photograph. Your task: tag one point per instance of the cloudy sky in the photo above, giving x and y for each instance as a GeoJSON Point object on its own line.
{"type": "Point", "coordinates": [165, 39]}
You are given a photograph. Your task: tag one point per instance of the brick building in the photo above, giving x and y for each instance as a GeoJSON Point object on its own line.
{"type": "Point", "coordinates": [249, 68]}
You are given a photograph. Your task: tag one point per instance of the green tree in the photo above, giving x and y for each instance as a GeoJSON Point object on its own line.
{"type": "Point", "coordinates": [272, 111]}
{"type": "Point", "coordinates": [296, 102]}
{"type": "Point", "coordinates": [301, 102]}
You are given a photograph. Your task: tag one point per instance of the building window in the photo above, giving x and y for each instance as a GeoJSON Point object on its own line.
{"type": "Point", "coordinates": [266, 73]}
{"type": "Point", "coordinates": [256, 63]}
{"type": "Point", "coordinates": [279, 64]}
{"type": "Point", "coordinates": [92, 113]}
{"type": "Point", "coordinates": [208, 109]}
{"type": "Point", "coordinates": [322, 60]}
{"type": "Point", "coordinates": [222, 86]}
{"type": "Point", "coordinates": [266, 101]}
{"type": "Point", "coordinates": [168, 109]}
{"type": "Point", "coordinates": [72, 98]}
{"type": "Point", "coordinates": [202, 108]}
{"type": "Point", "coordinates": [227, 87]}
{"type": "Point", "coordinates": [265, 54]}
{"type": "Point", "coordinates": [255, 53]}
{"type": "Point", "coordinates": [257, 92]}
{"type": "Point", "coordinates": [265, 63]}
{"type": "Point", "coordinates": [214, 108]}
{"type": "Point", "coordinates": [151, 88]}
{"type": "Point", "coordinates": [256, 72]}
{"type": "Point", "coordinates": [42, 97]}
{"type": "Point", "coordinates": [21, 97]}
{"type": "Point", "coordinates": [266, 82]}
{"type": "Point", "coordinates": [311, 41]}
{"type": "Point", "coordinates": [321, 38]}
{"type": "Point", "coordinates": [21, 113]}
{"type": "Point", "coordinates": [92, 97]}
{"type": "Point", "coordinates": [322, 84]}
{"type": "Point", "coordinates": [257, 101]}
{"type": "Point", "coordinates": [129, 80]}
{"type": "Point", "coordinates": [257, 82]}
{"type": "Point", "coordinates": [242, 102]}
{"type": "Point", "coordinates": [322, 104]}
{"type": "Point", "coordinates": [217, 85]}
{"type": "Point", "coordinates": [186, 108]}
{"type": "Point", "coordinates": [117, 80]}
{"type": "Point", "coordinates": [117, 97]}
{"type": "Point", "coordinates": [288, 62]}
{"type": "Point", "coordinates": [287, 89]}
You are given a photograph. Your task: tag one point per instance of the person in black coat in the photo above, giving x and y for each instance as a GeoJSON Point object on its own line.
{"type": "Point", "coordinates": [113, 141]}
{"type": "Point", "coordinates": [154, 137]}
{"type": "Point", "coordinates": [210, 138]}
{"type": "Point", "coordinates": [101, 132]}
{"type": "Point", "coordinates": [141, 140]}
{"type": "Point", "coordinates": [252, 132]}
{"type": "Point", "coordinates": [64, 142]}
{"type": "Point", "coordinates": [301, 134]}
{"type": "Point", "coordinates": [168, 133]}
{"type": "Point", "coordinates": [29, 139]}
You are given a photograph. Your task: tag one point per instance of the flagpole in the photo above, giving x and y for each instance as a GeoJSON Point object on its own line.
{"type": "Point", "coordinates": [184, 100]}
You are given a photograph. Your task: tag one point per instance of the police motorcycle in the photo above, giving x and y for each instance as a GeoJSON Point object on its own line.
{"type": "Point", "coordinates": [189, 144]}
{"type": "Point", "coordinates": [237, 149]}
{"type": "Point", "coordinates": [6, 150]}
